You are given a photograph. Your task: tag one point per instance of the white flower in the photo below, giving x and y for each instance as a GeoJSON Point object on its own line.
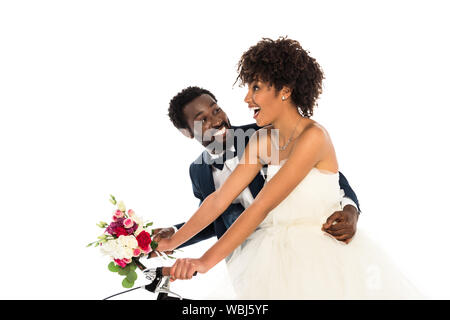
{"type": "Point", "coordinates": [128, 242]}
{"type": "Point", "coordinates": [111, 248]}
{"type": "Point", "coordinates": [120, 248]}
{"type": "Point", "coordinates": [138, 220]}
{"type": "Point", "coordinates": [121, 206]}
{"type": "Point", "coordinates": [127, 253]}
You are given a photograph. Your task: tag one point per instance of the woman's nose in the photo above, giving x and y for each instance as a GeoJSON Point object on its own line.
{"type": "Point", "coordinates": [248, 97]}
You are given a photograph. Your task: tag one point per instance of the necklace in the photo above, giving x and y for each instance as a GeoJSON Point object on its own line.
{"type": "Point", "coordinates": [290, 138]}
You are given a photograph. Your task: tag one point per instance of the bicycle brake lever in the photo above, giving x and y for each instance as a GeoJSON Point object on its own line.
{"type": "Point", "coordinates": [159, 283]}
{"type": "Point", "coordinates": [164, 287]}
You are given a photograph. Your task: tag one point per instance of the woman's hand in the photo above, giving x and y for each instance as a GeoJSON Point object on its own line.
{"type": "Point", "coordinates": [185, 268]}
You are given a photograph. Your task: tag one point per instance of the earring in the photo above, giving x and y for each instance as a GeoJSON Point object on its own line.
{"type": "Point", "coordinates": [283, 98]}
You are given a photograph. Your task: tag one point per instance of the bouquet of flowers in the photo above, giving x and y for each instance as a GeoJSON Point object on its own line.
{"type": "Point", "coordinates": [125, 240]}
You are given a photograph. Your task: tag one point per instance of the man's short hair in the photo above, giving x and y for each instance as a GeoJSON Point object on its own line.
{"type": "Point", "coordinates": [179, 101]}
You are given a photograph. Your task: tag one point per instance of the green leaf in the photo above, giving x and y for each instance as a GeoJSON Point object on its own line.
{"type": "Point", "coordinates": [127, 284]}
{"type": "Point", "coordinates": [113, 199]}
{"type": "Point", "coordinates": [113, 267]}
{"type": "Point", "coordinates": [154, 245]}
{"type": "Point", "coordinates": [131, 276]}
{"type": "Point", "coordinates": [102, 224]}
{"type": "Point", "coordinates": [124, 271]}
{"type": "Point", "coordinates": [170, 257]}
{"type": "Point", "coordinates": [148, 225]}
{"type": "Point", "coordinates": [132, 266]}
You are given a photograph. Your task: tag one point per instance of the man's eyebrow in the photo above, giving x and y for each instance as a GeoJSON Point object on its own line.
{"type": "Point", "coordinates": [200, 112]}
{"type": "Point", "coordinates": [197, 114]}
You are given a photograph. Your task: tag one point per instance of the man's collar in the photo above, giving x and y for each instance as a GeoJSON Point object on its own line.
{"type": "Point", "coordinates": [214, 156]}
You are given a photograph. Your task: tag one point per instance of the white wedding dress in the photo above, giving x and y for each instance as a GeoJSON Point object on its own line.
{"type": "Point", "coordinates": [289, 257]}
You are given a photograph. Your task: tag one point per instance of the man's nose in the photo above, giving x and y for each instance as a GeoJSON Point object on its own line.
{"type": "Point", "coordinates": [212, 122]}
{"type": "Point", "coordinates": [216, 120]}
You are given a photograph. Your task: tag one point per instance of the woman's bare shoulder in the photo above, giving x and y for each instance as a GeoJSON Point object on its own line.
{"type": "Point", "coordinates": [313, 129]}
{"type": "Point", "coordinates": [315, 138]}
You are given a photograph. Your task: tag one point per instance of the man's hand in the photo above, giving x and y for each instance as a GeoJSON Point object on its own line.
{"type": "Point", "coordinates": [162, 233]}
{"type": "Point", "coordinates": [342, 224]}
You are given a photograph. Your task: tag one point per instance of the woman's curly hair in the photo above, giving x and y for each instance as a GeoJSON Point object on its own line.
{"type": "Point", "coordinates": [283, 62]}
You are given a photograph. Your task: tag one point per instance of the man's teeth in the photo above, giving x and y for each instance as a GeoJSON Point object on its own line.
{"type": "Point", "coordinates": [220, 132]}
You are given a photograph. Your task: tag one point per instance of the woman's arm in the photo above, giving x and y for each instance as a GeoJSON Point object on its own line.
{"type": "Point", "coordinates": [217, 202]}
{"type": "Point", "coordinates": [311, 147]}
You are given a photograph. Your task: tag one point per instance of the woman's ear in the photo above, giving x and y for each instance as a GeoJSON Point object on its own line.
{"type": "Point", "coordinates": [186, 132]}
{"type": "Point", "coordinates": [285, 93]}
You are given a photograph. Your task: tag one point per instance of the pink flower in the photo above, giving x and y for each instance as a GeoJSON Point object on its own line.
{"type": "Point", "coordinates": [121, 232]}
{"type": "Point", "coordinates": [118, 214]}
{"type": "Point", "coordinates": [128, 223]}
{"type": "Point", "coordinates": [120, 263]}
{"type": "Point", "coordinates": [130, 212]}
{"type": "Point", "coordinates": [126, 260]}
{"type": "Point", "coordinates": [147, 251]}
{"type": "Point", "coordinates": [136, 252]}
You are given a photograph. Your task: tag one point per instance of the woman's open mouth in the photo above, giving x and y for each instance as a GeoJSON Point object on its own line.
{"type": "Point", "coordinates": [255, 111]}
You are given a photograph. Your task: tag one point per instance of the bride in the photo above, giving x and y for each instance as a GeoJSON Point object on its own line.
{"type": "Point", "coordinates": [276, 248]}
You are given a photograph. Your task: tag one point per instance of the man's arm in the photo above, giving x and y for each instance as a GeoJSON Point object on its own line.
{"type": "Point", "coordinates": [348, 191]}
{"type": "Point", "coordinates": [342, 224]}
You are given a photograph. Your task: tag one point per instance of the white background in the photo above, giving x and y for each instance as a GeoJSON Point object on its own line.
{"type": "Point", "coordinates": [84, 92]}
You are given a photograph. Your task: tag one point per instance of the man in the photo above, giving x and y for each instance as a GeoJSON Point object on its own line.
{"type": "Point", "coordinates": [195, 113]}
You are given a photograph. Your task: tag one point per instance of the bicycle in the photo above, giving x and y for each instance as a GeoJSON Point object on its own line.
{"type": "Point", "coordinates": [160, 282]}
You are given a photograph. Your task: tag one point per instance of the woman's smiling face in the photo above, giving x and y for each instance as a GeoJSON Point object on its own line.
{"type": "Point", "coordinates": [263, 100]}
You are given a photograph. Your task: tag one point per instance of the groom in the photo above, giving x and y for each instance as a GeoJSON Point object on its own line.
{"type": "Point", "coordinates": [195, 113]}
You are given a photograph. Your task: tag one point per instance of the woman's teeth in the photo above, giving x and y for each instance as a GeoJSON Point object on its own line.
{"type": "Point", "coordinates": [256, 111]}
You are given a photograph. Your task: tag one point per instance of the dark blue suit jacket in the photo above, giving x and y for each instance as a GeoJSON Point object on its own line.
{"type": "Point", "coordinates": [203, 185]}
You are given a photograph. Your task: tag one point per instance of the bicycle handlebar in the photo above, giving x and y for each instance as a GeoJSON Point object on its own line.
{"type": "Point", "coordinates": [164, 270]}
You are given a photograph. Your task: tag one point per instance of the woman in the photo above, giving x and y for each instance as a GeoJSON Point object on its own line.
{"type": "Point", "coordinates": [276, 248]}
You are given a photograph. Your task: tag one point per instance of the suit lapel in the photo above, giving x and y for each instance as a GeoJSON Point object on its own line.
{"type": "Point", "coordinates": [205, 175]}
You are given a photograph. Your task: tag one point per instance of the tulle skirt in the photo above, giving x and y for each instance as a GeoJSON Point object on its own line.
{"type": "Point", "coordinates": [303, 262]}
